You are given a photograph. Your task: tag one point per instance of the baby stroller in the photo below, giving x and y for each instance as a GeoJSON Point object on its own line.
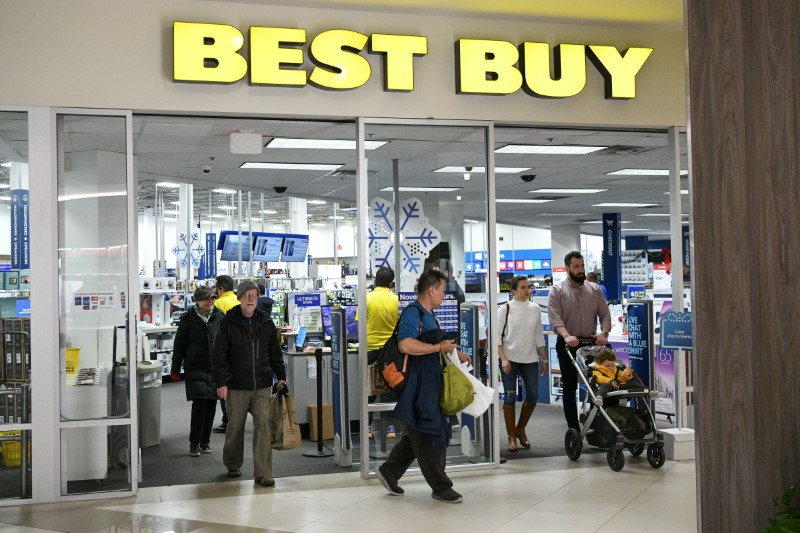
{"type": "Point", "coordinates": [598, 428]}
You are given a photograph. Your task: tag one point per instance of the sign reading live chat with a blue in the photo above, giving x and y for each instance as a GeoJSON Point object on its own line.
{"type": "Point", "coordinates": [24, 308]}
{"type": "Point", "coordinates": [640, 339]}
{"type": "Point", "coordinates": [676, 330]}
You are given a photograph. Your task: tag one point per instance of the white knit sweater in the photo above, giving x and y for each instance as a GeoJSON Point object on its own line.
{"type": "Point", "coordinates": [524, 334]}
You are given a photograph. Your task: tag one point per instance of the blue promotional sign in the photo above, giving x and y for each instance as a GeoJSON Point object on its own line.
{"type": "Point", "coordinates": [467, 343]}
{"type": "Point", "coordinates": [636, 292]}
{"type": "Point", "coordinates": [640, 339]}
{"type": "Point", "coordinates": [687, 256]}
{"type": "Point", "coordinates": [676, 330]}
{"type": "Point", "coordinates": [20, 229]}
{"type": "Point", "coordinates": [211, 255]}
{"type": "Point", "coordinates": [23, 308]}
{"type": "Point", "coordinates": [612, 260]}
{"type": "Point", "coordinates": [307, 300]}
{"type": "Point", "coordinates": [337, 329]}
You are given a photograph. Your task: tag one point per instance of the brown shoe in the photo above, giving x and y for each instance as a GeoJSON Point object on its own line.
{"type": "Point", "coordinates": [234, 472]}
{"type": "Point", "coordinates": [508, 415]}
{"type": "Point", "coordinates": [265, 481]}
{"type": "Point", "coordinates": [524, 416]}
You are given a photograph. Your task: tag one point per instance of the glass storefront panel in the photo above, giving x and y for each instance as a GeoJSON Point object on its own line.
{"type": "Point", "coordinates": [427, 188]}
{"type": "Point", "coordinates": [93, 299]}
{"type": "Point", "coordinates": [15, 307]}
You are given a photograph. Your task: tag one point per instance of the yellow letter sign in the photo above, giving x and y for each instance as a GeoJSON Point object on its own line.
{"type": "Point", "coordinates": [487, 67]}
{"type": "Point", "coordinates": [207, 53]}
{"type": "Point", "coordinates": [619, 70]}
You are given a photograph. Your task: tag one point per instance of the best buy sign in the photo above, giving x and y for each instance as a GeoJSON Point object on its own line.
{"type": "Point", "coordinates": [211, 53]}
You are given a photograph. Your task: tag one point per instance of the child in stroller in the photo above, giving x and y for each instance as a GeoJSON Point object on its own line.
{"type": "Point", "coordinates": [611, 375]}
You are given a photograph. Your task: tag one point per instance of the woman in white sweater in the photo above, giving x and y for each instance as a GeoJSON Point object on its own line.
{"type": "Point", "coordinates": [522, 353]}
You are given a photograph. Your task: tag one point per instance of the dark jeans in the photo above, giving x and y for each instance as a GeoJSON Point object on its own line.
{"type": "Point", "coordinates": [530, 377]}
{"type": "Point", "coordinates": [431, 459]}
{"type": "Point", "coordinates": [569, 377]}
{"type": "Point", "coordinates": [202, 420]}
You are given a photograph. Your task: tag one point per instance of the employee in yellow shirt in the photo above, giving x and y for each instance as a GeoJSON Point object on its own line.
{"type": "Point", "coordinates": [382, 312]}
{"type": "Point", "coordinates": [226, 300]}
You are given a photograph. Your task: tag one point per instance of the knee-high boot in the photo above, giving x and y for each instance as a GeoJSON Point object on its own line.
{"type": "Point", "coordinates": [508, 414]}
{"type": "Point", "coordinates": [524, 415]}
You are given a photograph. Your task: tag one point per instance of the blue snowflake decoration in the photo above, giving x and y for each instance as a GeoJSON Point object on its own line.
{"type": "Point", "coordinates": [188, 250]}
{"type": "Point", "coordinates": [417, 238]}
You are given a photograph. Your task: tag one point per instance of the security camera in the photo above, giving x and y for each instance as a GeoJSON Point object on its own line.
{"type": "Point", "coordinates": [206, 169]}
{"type": "Point", "coordinates": [527, 178]}
{"type": "Point", "coordinates": [468, 169]}
{"type": "Point", "coordinates": [279, 190]}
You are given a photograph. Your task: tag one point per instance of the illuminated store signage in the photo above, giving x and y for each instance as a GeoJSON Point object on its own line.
{"type": "Point", "coordinates": [211, 53]}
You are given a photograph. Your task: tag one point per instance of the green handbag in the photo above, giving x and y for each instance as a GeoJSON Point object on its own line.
{"type": "Point", "coordinates": [457, 390]}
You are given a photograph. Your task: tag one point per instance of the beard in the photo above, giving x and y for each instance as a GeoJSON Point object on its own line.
{"type": "Point", "coordinates": [577, 278]}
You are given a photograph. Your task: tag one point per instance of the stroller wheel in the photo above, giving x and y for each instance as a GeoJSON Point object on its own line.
{"type": "Point", "coordinates": [573, 444]}
{"type": "Point", "coordinates": [656, 455]}
{"type": "Point", "coordinates": [636, 449]}
{"type": "Point", "coordinates": [616, 459]}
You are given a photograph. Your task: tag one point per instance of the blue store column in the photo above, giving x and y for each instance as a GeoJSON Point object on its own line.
{"type": "Point", "coordinates": [612, 262]}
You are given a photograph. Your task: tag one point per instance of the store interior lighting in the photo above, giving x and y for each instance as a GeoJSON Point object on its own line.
{"type": "Point", "coordinates": [289, 166]}
{"type": "Point", "coordinates": [167, 185]}
{"type": "Point", "coordinates": [224, 191]}
{"type": "Point", "coordinates": [567, 191]}
{"type": "Point", "coordinates": [321, 144]}
{"type": "Point", "coordinates": [522, 201]}
{"type": "Point", "coordinates": [623, 204]}
{"type": "Point", "coordinates": [482, 170]}
{"type": "Point", "coordinates": [422, 189]}
{"type": "Point", "coordinates": [643, 172]}
{"type": "Point", "coordinates": [548, 149]}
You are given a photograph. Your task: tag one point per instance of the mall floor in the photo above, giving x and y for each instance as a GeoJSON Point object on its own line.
{"type": "Point", "coordinates": [528, 495]}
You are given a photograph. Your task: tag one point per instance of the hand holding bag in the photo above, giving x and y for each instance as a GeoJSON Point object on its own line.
{"type": "Point", "coordinates": [484, 395]}
{"type": "Point", "coordinates": [284, 426]}
{"type": "Point", "coordinates": [457, 390]}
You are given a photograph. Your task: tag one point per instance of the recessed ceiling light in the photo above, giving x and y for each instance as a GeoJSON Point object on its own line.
{"type": "Point", "coordinates": [665, 215]}
{"type": "Point", "coordinates": [521, 201]}
{"type": "Point", "coordinates": [458, 198]}
{"type": "Point", "coordinates": [5, 186]}
{"type": "Point", "coordinates": [563, 214]}
{"type": "Point", "coordinates": [226, 207]}
{"type": "Point", "coordinates": [600, 222]}
{"type": "Point", "coordinates": [567, 191]}
{"type": "Point", "coordinates": [317, 202]}
{"type": "Point", "coordinates": [481, 170]}
{"type": "Point", "coordinates": [167, 185]}
{"type": "Point", "coordinates": [7, 164]}
{"type": "Point", "coordinates": [622, 204]}
{"type": "Point", "coordinates": [67, 197]}
{"type": "Point", "coordinates": [422, 189]}
{"type": "Point", "coordinates": [175, 203]}
{"type": "Point", "coordinates": [269, 212]}
{"type": "Point", "coordinates": [683, 191]}
{"type": "Point", "coordinates": [643, 172]}
{"type": "Point", "coordinates": [289, 166]}
{"type": "Point", "coordinates": [548, 149]}
{"type": "Point", "coordinates": [321, 144]}
{"type": "Point", "coordinates": [224, 191]}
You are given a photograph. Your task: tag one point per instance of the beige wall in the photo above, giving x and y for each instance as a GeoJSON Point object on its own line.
{"type": "Point", "coordinates": [102, 54]}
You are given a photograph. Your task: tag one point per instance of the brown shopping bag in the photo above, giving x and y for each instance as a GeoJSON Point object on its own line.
{"type": "Point", "coordinates": [283, 422]}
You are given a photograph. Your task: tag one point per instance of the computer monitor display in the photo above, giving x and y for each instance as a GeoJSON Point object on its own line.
{"type": "Point", "coordinates": [267, 247]}
{"type": "Point", "coordinates": [295, 248]}
{"type": "Point", "coordinates": [230, 247]}
{"type": "Point", "coordinates": [349, 317]}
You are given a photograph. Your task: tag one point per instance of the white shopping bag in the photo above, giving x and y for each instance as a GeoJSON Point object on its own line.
{"type": "Point", "coordinates": [484, 395]}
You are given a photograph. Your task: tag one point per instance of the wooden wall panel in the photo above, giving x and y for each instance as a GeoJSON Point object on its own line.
{"type": "Point", "coordinates": [744, 130]}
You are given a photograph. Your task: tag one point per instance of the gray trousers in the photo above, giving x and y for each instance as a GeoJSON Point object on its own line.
{"type": "Point", "coordinates": [238, 404]}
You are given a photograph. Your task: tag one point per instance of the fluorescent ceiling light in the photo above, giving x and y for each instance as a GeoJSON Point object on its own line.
{"type": "Point", "coordinates": [269, 212]}
{"type": "Point", "coordinates": [255, 220]}
{"type": "Point", "coordinates": [5, 198]}
{"type": "Point", "coordinates": [665, 215]}
{"type": "Point", "coordinates": [470, 221]}
{"type": "Point", "coordinates": [336, 218]}
{"type": "Point", "coordinates": [567, 191]}
{"type": "Point", "coordinates": [289, 166]}
{"type": "Point", "coordinates": [481, 170]}
{"type": "Point", "coordinates": [548, 149]}
{"type": "Point", "coordinates": [422, 189]}
{"type": "Point", "coordinates": [643, 172]}
{"type": "Point", "coordinates": [563, 214]}
{"type": "Point", "coordinates": [286, 221]}
{"type": "Point", "coordinates": [226, 207]}
{"type": "Point", "coordinates": [171, 213]}
{"type": "Point", "coordinates": [175, 203]}
{"type": "Point", "coordinates": [67, 197]}
{"type": "Point", "coordinates": [345, 209]}
{"type": "Point", "coordinates": [622, 204]}
{"type": "Point", "coordinates": [600, 222]}
{"type": "Point", "coordinates": [7, 164]}
{"type": "Point", "coordinates": [683, 191]}
{"type": "Point", "coordinates": [224, 191]}
{"type": "Point", "coordinates": [167, 185]}
{"type": "Point", "coordinates": [218, 216]}
{"type": "Point", "coordinates": [5, 186]}
{"type": "Point", "coordinates": [318, 224]}
{"type": "Point", "coordinates": [317, 202]}
{"type": "Point", "coordinates": [322, 144]}
{"type": "Point", "coordinates": [637, 229]}
{"type": "Point", "coordinates": [521, 201]}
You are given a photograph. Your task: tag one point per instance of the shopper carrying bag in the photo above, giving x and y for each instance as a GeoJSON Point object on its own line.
{"type": "Point", "coordinates": [522, 354]}
{"type": "Point", "coordinates": [457, 390]}
{"type": "Point", "coordinates": [283, 421]}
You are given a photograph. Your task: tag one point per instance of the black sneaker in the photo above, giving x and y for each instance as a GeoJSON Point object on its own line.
{"type": "Point", "coordinates": [389, 482]}
{"type": "Point", "coordinates": [194, 450]}
{"type": "Point", "coordinates": [448, 496]}
{"type": "Point", "coordinates": [220, 428]}
{"type": "Point", "coordinates": [205, 448]}
{"type": "Point", "coordinates": [234, 472]}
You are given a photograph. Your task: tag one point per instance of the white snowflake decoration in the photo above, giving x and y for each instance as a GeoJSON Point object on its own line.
{"type": "Point", "coordinates": [188, 249]}
{"type": "Point", "coordinates": [417, 238]}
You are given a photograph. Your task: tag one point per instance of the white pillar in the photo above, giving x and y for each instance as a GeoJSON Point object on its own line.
{"type": "Point", "coordinates": [299, 212]}
{"type": "Point", "coordinates": [564, 239]}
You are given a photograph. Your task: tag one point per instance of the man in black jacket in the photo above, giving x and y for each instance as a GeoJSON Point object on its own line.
{"type": "Point", "coordinates": [247, 355]}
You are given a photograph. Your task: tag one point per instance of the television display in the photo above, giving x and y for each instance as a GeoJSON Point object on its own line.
{"type": "Point", "coordinates": [230, 247]}
{"type": "Point", "coordinates": [295, 248]}
{"type": "Point", "coordinates": [267, 247]}
{"type": "Point", "coordinates": [349, 317]}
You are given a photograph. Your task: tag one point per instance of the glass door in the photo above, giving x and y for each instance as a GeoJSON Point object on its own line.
{"type": "Point", "coordinates": [424, 185]}
{"type": "Point", "coordinates": [96, 207]}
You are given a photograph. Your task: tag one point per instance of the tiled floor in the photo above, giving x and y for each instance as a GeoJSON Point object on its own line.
{"type": "Point", "coordinates": [531, 495]}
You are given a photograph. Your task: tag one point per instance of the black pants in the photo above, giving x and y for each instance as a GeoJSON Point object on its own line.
{"type": "Point", "coordinates": [569, 377]}
{"type": "Point", "coordinates": [202, 420]}
{"type": "Point", "coordinates": [431, 459]}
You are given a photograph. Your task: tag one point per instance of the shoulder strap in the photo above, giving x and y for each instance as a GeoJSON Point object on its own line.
{"type": "Point", "coordinates": [508, 311]}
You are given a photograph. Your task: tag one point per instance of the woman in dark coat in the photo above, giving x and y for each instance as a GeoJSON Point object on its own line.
{"type": "Point", "coordinates": [192, 348]}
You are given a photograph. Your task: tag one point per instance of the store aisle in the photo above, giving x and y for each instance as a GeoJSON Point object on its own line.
{"type": "Point", "coordinates": [527, 495]}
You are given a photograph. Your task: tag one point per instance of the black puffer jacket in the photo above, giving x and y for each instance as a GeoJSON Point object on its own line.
{"type": "Point", "coordinates": [244, 362]}
{"type": "Point", "coordinates": [192, 349]}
